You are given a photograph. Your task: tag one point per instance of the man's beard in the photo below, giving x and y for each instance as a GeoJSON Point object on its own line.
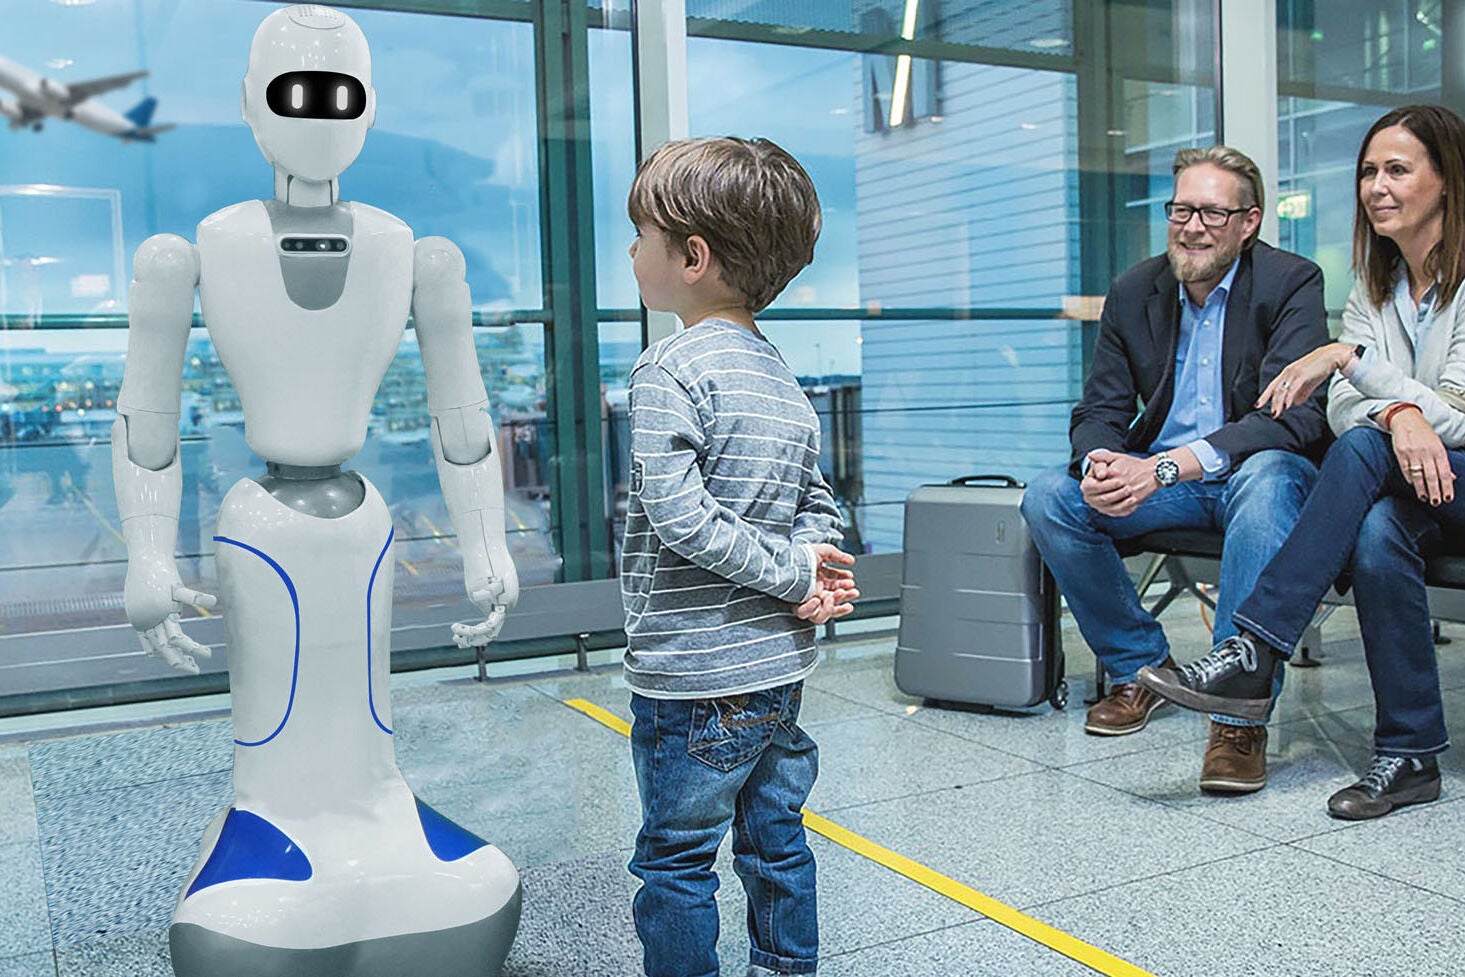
{"type": "Point", "coordinates": [1201, 267]}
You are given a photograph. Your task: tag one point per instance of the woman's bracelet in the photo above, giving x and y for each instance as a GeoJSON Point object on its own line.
{"type": "Point", "coordinates": [1393, 409]}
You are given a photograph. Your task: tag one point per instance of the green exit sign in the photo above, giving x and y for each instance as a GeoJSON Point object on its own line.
{"type": "Point", "coordinates": [1294, 206]}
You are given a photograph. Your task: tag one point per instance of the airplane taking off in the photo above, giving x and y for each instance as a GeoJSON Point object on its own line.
{"type": "Point", "coordinates": [39, 98]}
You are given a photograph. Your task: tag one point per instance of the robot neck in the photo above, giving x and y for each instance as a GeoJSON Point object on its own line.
{"type": "Point", "coordinates": [298, 192]}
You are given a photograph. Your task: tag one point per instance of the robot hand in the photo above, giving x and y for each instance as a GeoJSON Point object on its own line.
{"type": "Point", "coordinates": [151, 596]}
{"type": "Point", "coordinates": [494, 595]}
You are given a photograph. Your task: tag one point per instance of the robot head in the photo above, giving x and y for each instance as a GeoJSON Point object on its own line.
{"type": "Point", "coordinates": [307, 94]}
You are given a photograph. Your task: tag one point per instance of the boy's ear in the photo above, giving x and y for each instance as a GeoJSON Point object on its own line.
{"type": "Point", "coordinates": [698, 259]}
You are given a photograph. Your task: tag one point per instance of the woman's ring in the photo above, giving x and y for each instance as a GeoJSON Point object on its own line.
{"type": "Point", "coordinates": [1286, 384]}
{"type": "Point", "coordinates": [1416, 468]}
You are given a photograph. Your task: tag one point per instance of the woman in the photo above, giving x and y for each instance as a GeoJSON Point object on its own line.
{"type": "Point", "coordinates": [1385, 496]}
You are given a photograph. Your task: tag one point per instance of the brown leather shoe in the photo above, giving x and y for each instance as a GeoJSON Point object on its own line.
{"type": "Point", "coordinates": [1126, 709]}
{"type": "Point", "coordinates": [1236, 759]}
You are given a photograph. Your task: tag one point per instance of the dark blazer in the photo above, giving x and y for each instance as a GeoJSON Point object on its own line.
{"type": "Point", "coordinates": [1274, 315]}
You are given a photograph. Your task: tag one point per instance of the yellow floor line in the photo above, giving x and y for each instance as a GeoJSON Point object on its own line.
{"type": "Point", "coordinates": [1000, 913]}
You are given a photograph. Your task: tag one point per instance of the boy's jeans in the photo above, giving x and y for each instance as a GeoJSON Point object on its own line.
{"type": "Point", "coordinates": [702, 765]}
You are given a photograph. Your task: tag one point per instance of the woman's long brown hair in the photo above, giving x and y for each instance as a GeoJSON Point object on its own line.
{"type": "Point", "coordinates": [1443, 134]}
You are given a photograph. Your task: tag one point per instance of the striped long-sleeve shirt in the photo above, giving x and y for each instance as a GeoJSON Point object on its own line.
{"type": "Point", "coordinates": [726, 501]}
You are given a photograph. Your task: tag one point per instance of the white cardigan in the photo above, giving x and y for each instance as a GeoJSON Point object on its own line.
{"type": "Point", "coordinates": [1392, 370]}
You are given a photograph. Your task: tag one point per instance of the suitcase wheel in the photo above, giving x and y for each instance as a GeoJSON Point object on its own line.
{"type": "Point", "coordinates": [1059, 698]}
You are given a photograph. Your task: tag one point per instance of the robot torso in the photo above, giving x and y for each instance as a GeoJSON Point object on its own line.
{"type": "Point", "coordinates": [306, 307]}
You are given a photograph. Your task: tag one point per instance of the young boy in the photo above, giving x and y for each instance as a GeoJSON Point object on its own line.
{"type": "Point", "coordinates": [728, 530]}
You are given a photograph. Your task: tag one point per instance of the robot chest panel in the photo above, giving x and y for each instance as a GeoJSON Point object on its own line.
{"type": "Point", "coordinates": [251, 295]}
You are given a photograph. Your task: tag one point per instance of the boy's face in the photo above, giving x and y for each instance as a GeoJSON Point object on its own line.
{"type": "Point", "coordinates": [658, 268]}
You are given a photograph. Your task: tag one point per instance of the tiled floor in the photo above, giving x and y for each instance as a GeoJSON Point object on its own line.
{"type": "Point", "coordinates": [1105, 838]}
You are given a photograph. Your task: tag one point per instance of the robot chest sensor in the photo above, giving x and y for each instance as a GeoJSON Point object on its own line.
{"type": "Point", "coordinates": [298, 245]}
{"type": "Point", "coordinates": [314, 267]}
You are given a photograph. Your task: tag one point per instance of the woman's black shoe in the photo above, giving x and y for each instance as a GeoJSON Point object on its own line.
{"type": "Point", "coordinates": [1391, 782]}
{"type": "Point", "coordinates": [1235, 679]}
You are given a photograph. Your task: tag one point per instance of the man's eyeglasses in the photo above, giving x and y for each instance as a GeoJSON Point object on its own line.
{"type": "Point", "coordinates": [1209, 216]}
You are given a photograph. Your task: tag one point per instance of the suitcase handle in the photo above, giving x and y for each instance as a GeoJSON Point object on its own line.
{"type": "Point", "coordinates": [1007, 480]}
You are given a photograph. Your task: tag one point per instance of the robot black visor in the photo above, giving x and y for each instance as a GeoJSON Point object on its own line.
{"type": "Point", "coordinates": [316, 95]}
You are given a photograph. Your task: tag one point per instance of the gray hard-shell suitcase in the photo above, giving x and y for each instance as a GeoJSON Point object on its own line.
{"type": "Point", "coordinates": [978, 609]}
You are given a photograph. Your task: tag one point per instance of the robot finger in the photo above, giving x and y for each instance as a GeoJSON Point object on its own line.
{"type": "Point", "coordinates": [495, 622]}
{"type": "Point", "coordinates": [477, 635]}
{"type": "Point", "coordinates": [180, 640]}
{"type": "Point", "coordinates": [186, 595]}
{"type": "Point", "coordinates": [155, 642]}
{"type": "Point", "coordinates": [471, 635]}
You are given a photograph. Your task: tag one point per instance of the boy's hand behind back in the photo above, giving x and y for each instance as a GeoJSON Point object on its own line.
{"type": "Point", "coordinates": [835, 588]}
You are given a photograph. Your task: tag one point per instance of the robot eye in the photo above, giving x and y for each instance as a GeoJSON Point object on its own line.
{"type": "Point", "coordinates": [316, 95]}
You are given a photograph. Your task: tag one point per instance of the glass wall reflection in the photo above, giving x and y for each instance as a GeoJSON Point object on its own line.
{"type": "Point", "coordinates": [1341, 65]}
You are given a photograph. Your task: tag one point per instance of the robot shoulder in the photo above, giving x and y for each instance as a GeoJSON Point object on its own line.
{"type": "Point", "coordinates": [376, 219]}
{"type": "Point", "coordinates": [436, 259]}
{"type": "Point", "coordinates": [167, 259]}
{"type": "Point", "coordinates": [245, 212]}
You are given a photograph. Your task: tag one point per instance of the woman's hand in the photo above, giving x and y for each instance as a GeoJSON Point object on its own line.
{"type": "Point", "coordinates": [1422, 457]}
{"type": "Point", "coordinates": [1300, 378]}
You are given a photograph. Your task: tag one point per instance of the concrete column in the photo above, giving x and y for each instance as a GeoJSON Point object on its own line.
{"type": "Point", "coordinates": [1248, 86]}
{"type": "Point", "coordinates": [659, 53]}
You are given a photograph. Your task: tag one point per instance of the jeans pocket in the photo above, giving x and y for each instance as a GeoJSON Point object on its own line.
{"type": "Point", "coordinates": [729, 731]}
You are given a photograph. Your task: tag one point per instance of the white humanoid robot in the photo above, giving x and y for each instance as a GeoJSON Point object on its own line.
{"type": "Point", "coordinates": [325, 863]}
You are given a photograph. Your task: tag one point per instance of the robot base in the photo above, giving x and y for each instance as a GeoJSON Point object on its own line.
{"type": "Point", "coordinates": [472, 950]}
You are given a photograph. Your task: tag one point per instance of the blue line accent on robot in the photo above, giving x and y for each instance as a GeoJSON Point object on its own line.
{"type": "Point", "coordinates": [371, 702]}
{"type": "Point", "coordinates": [448, 840]}
{"type": "Point", "coordinates": [295, 602]}
{"type": "Point", "coordinates": [249, 847]}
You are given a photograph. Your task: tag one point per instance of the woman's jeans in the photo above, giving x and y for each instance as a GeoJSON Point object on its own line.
{"type": "Point", "coordinates": [703, 765]}
{"type": "Point", "coordinates": [1364, 512]}
{"type": "Point", "coordinates": [1256, 508]}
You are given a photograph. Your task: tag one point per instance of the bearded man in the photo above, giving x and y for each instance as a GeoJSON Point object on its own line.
{"type": "Point", "coordinates": [1168, 436]}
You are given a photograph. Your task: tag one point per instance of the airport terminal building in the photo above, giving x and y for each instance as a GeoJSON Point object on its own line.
{"type": "Point", "coordinates": [985, 169]}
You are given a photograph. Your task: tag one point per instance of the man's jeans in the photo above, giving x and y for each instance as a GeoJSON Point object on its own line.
{"type": "Point", "coordinates": [702, 765]}
{"type": "Point", "coordinates": [1255, 508]}
{"type": "Point", "coordinates": [1364, 512]}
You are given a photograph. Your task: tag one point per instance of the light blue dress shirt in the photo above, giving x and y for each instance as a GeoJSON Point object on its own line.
{"type": "Point", "coordinates": [1199, 407]}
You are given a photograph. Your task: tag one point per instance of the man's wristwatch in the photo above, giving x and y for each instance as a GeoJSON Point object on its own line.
{"type": "Point", "coordinates": [1167, 470]}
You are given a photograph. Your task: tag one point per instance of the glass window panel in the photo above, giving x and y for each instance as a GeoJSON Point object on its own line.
{"type": "Point", "coordinates": [1161, 118]}
{"type": "Point", "coordinates": [453, 151]}
{"type": "Point", "coordinates": [1041, 26]}
{"type": "Point", "coordinates": [804, 100]}
{"type": "Point", "coordinates": [1376, 45]}
{"type": "Point", "coordinates": [966, 201]}
{"type": "Point", "coordinates": [620, 344]}
{"type": "Point", "coordinates": [58, 512]}
{"type": "Point", "coordinates": [60, 252]}
{"type": "Point", "coordinates": [1340, 66]}
{"type": "Point", "coordinates": [612, 123]}
{"type": "Point", "coordinates": [613, 150]}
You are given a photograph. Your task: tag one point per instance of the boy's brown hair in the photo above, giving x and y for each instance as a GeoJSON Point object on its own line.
{"type": "Point", "coordinates": [747, 198]}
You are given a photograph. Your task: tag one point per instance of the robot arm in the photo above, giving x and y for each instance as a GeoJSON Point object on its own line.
{"type": "Point", "coordinates": [463, 435]}
{"type": "Point", "coordinates": [145, 465]}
